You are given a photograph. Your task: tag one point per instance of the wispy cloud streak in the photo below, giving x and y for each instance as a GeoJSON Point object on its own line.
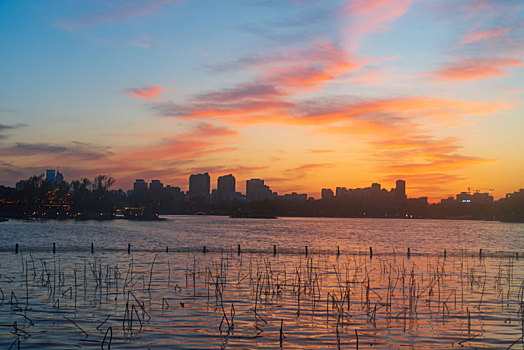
{"type": "Point", "coordinates": [475, 69]}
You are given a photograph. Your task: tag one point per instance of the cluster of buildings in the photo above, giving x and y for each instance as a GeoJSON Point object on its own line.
{"type": "Point", "coordinates": [466, 198]}
{"type": "Point", "coordinates": [376, 190]}
{"type": "Point", "coordinates": [225, 192]}
{"type": "Point", "coordinates": [51, 175]}
{"type": "Point", "coordinates": [148, 199]}
{"type": "Point", "coordinates": [256, 190]}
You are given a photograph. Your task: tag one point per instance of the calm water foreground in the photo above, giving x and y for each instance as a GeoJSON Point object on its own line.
{"type": "Point", "coordinates": [184, 298]}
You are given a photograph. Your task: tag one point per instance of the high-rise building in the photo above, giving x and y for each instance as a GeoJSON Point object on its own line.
{"type": "Point", "coordinates": [226, 184]}
{"type": "Point", "coordinates": [257, 191]}
{"type": "Point", "coordinates": [252, 186]}
{"type": "Point", "coordinates": [327, 193]}
{"type": "Point", "coordinates": [140, 186]}
{"type": "Point", "coordinates": [341, 192]}
{"type": "Point", "coordinates": [199, 186]}
{"type": "Point", "coordinates": [225, 192]}
{"type": "Point", "coordinates": [177, 195]}
{"type": "Point", "coordinates": [156, 186]}
{"type": "Point", "coordinates": [59, 178]}
{"type": "Point", "coordinates": [50, 175]}
{"type": "Point", "coordinates": [400, 189]}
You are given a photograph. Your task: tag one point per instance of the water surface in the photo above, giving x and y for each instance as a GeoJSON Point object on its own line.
{"type": "Point", "coordinates": [186, 299]}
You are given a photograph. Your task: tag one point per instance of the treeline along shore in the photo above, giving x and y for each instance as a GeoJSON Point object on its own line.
{"type": "Point", "coordinates": [38, 197]}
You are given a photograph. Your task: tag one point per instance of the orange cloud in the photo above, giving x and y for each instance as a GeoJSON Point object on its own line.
{"type": "Point", "coordinates": [203, 140]}
{"type": "Point", "coordinates": [473, 36]}
{"type": "Point", "coordinates": [475, 69]}
{"type": "Point", "coordinates": [439, 162]}
{"type": "Point", "coordinates": [423, 160]}
{"type": "Point", "coordinates": [146, 92]}
{"type": "Point", "coordinates": [379, 115]}
{"type": "Point", "coordinates": [388, 116]}
{"type": "Point", "coordinates": [313, 67]}
{"type": "Point", "coordinates": [319, 151]}
{"type": "Point", "coordinates": [268, 97]}
{"type": "Point", "coordinates": [429, 164]}
{"type": "Point", "coordinates": [432, 185]}
{"type": "Point", "coordinates": [300, 170]}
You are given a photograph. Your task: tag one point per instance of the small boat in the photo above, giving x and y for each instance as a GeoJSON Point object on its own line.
{"type": "Point", "coordinates": [4, 219]}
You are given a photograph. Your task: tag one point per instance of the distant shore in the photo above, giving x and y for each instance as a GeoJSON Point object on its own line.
{"type": "Point", "coordinates": [6, 217]}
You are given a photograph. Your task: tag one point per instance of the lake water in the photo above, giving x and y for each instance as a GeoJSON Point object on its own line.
{"type": "Point", "coordinates": [185, 298]}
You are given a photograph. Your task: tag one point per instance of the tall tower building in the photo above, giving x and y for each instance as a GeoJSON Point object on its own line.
{"type": "Point", "coordinates": [59, 178]}
{"type": "Point", "coordinates": [327, 193]}
{"type": "Point", "coordinates": [156, 185]}
{"type": "Point", "coordinates": [226, 184]}
{"type": "Point", "coordinates": [140, 186]}
{"type": "Point", "coordinates": [199, 186]}
{"type": "Point", "coordinates": [50, 175]}
{"type": "Point", "coordinates": [252, 186]}
{"type": "Point", "coordinates": [257, 191]}
{"type": "Point", "coordinates": [400, 189]}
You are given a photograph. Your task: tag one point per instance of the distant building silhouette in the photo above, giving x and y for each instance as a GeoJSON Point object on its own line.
{"type": "Point", "coordinates": [295, 197]}
{"type": "Point", "coordinates": [226, 190]}
{"type": "Point", "coordinates": [140, 186]}
{"type": "Point", "coordinates": [400, 189]}
{"type": "Point", "coordinates": [199, 186]}
{"type": "Point", "coordinates": [341, 192]}
{"type": "Point", "coordinates": [327, 193]}
{"type": "Point", "coordinates": [477, 197]}
{"type": "Point", "coordinates": [53, 175]}
{"type": "Point", "coordinates": [156, 187]}
{"type": "Point", "coordinates": [375, 187]}
{"type": "Point", "coordinates": [59, 178]}
{"type": "Point", "coordinates": [50, 175]}
{"type": "Point", "coordinates": [176, 194]}
{"type": "Point", "coordinates": [257, 191]}
{"type": "Point", "coordinates": [226, 184]}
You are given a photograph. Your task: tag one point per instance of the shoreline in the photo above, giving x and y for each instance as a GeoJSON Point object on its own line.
{"type": "Point", "coordinates": [4, 218]}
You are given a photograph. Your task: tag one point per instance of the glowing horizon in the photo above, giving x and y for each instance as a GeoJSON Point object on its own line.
{"type": "Point", "coordinates": [305, 95]}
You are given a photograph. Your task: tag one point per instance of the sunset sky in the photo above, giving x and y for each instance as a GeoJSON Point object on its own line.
{"type": "Point", "coordinates": [304, 94]}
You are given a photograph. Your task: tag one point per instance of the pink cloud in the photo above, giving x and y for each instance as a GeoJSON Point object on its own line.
{"type": "Point", "coordinates": [475, 69]}
{"type": "Point", "coordinates": [269, 95]}
{"type": "Point", "coordinates": [512, 90]}
{"type": "Point", "coordinates": [372, 16]}
{"type": "Point", "coordinates": [476, 6]}
{"type": "Point", "coordinates": [146, 92]}
{"type": "Point", "coordinates": [473, 36]}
